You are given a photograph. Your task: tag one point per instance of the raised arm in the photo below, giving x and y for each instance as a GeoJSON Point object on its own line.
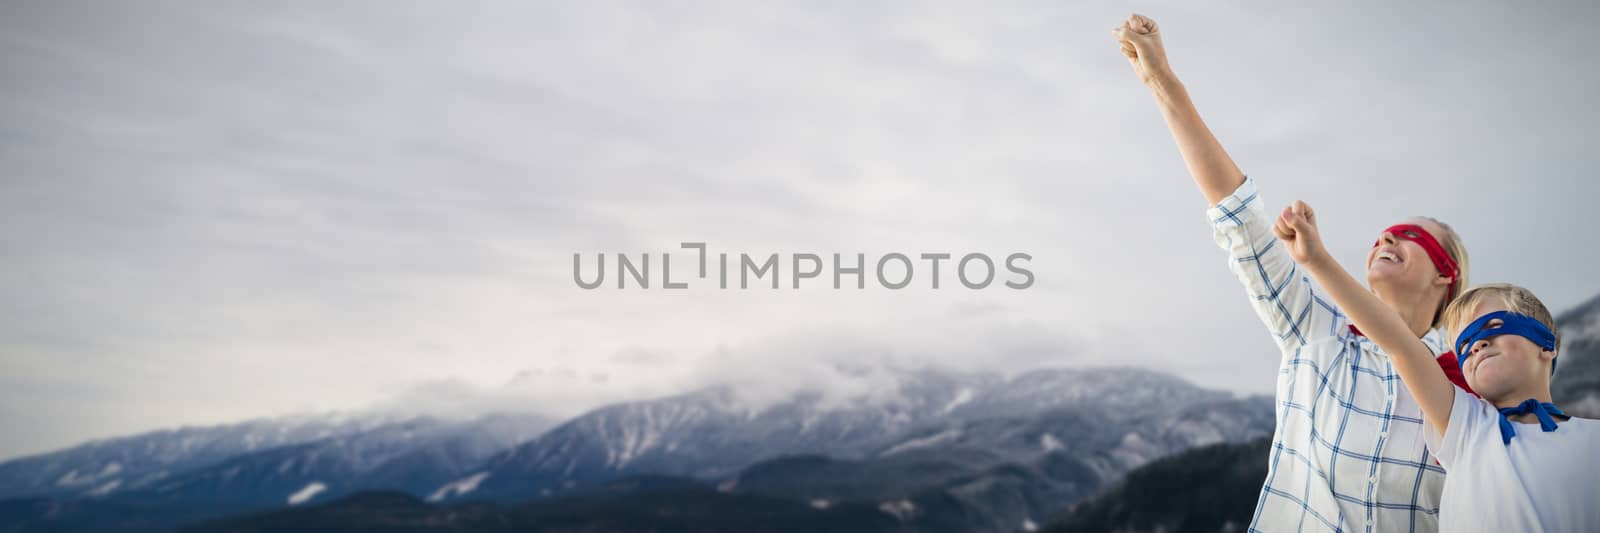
{"type": "Point", "coordinates": [1210, 165]}
{"type": "Point", "coordinates": [1281, 294]}
{"type": "Point", "coordinates": [1297, 228]}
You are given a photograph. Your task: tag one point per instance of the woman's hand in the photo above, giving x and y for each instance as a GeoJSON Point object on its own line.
{"type": "Point", "coordinates": [1141, 42]}
{"type": "Point", "coordinates": [1297, 228]}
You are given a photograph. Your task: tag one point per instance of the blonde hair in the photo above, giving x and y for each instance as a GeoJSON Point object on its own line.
{"type": "Point", "coordinates": [1517, 300]}
{"type": "Point", "coordinates": [1451, 242]}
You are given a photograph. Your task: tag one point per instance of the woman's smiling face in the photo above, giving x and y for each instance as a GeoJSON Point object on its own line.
{"type": "Point", "coordinates": [1398, 260]}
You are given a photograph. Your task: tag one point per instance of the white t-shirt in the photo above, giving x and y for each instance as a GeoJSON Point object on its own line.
{"type": "Point", "coordinates": [1541, 481]}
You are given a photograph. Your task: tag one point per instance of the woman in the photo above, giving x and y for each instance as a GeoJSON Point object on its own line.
{"type": "Point", "coordinates": [1348, 452]}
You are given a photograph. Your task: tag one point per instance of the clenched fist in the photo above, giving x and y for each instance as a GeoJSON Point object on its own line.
{"type": "Point", "coordinates": [1141, 42]}
{"type": "Point", "coordinates": [1297, 228]}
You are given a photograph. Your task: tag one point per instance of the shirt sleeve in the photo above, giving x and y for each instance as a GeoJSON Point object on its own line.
{"type": "Point", "coordinates": [1470, 417]}
{"type": "Point", "coordinates": [1285, 298]}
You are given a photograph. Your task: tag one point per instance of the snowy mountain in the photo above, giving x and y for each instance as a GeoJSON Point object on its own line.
{"type": "Point", "coordinates": [1576, 385]}
{"type": "Point", "coordinates": [1000, 474]}
{"type": "Point", "coordinates": [710, 434]}
{"type": "Point", "coordinates": [105, 466]}
{"type": "Point", "coordinates": [934, 451]}
{"type": "Point", "coordinates": [994, 476]}
{"type": "Point", "coordinates": [416, 455]}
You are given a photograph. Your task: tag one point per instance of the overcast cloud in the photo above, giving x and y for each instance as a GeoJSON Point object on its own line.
{"type": "Point", "coordinates": [211, 211]}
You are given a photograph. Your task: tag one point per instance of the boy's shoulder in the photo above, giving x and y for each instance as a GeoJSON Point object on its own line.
{"type": "Point", "coordinates": [1574, 436]}
{"type": "Point", "coordinates": [1586, 425]}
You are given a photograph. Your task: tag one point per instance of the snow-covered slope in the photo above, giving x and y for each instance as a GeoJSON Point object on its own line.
{"type": "Point", "coordinates": [995, 473]}
{"type": "Point", "coordinates": [710, 434]}
{"type": "Point", "coordinates": [111, 465]}
{"type": "Point", "coordinates": [415, 455]}
{"type": "Point", "coordinates": [270, 460]}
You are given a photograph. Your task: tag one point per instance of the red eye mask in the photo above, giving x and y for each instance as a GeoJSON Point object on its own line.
{"type": "Point", "coordinates": [1441, 260]}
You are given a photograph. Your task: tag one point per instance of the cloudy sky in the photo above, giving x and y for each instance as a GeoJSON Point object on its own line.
{"type": "Point", "coordinates": [213, 211]}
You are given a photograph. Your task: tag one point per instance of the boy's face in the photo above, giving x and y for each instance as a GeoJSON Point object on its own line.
{"type": "Point", "coordinates": [1504, 364]}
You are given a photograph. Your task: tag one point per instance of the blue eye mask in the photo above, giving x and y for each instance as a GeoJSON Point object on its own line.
{"type": "Point", "coordinates": [1510, 324]}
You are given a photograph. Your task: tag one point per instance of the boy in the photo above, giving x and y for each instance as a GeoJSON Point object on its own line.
{"type": "Point", "coordinates": [1515, 462]}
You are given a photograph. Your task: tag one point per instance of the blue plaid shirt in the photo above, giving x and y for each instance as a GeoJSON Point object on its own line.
{"type": "Point", "coordinates": [1348, 452]}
